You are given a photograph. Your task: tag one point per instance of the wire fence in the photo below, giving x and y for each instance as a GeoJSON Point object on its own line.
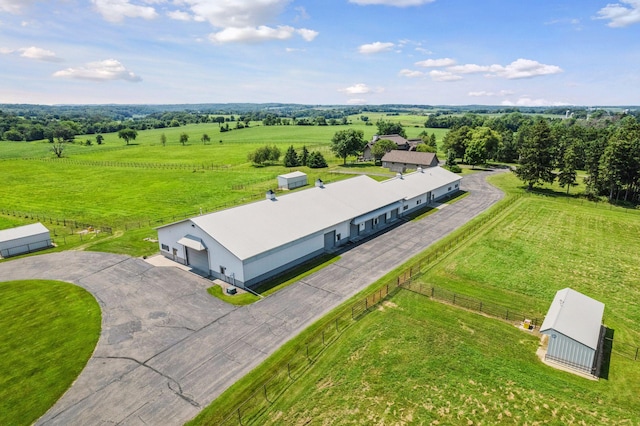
{"type": "Point", "coordinates": [66, 226]}
{"type": "Point", "coordinates": [140, 165]}
{"type": "Point", "coordinates": [472, 304]}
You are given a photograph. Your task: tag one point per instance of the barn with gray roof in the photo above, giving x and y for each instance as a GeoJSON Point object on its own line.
{"type": "Point", "coordinates": [250, 243]}
{"type": "Point", "coordinates": [24, 239]}
{"type": "Point", "coordinates": [574, 326]}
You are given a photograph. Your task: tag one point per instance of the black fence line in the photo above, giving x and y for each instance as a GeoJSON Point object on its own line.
{"type": "Point", "coordinates": [67, 223]}
{"type": "Point", "coordinates": [139, 165]}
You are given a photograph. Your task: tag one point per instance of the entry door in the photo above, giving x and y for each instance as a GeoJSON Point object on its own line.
{"type": "Point", "coordinates": [329, 240]}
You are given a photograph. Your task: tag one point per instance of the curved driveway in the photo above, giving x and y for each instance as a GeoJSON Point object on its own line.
{"type": "Point", "coordinates": [167, 348]}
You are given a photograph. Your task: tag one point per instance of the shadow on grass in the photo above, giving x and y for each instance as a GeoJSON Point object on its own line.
{"type": "Point", "coordinates": [359, 165]}
{"type": "Point", "coordinates": [605, 356]}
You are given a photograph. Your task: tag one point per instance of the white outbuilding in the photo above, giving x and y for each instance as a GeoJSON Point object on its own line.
{"type": "Point", "coordinates": [253, 242]}
{"type": "Point", "coordinates": [24, 239]}
{"type": "Point", "coordinates": [292, 180]}
{"type": "Point", "coordinates": [574, 326]}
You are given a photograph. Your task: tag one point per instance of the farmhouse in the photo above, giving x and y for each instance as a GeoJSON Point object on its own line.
{"type": "Point", "coordinates": [400, 161]}
{"type": "Point", "coordinates": [402, 144]}
{"type": "Point", "coordinates": [24, 239]}
{"type": "Point", "coordinates": [574, 325]}
{"type": "Point", "coordinates": [250, 243]}
{"type": "Point", "coordinates": [292, 180]}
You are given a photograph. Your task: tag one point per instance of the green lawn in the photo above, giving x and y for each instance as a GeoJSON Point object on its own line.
{"type": "Point", "coordinates": [414, 361]}
{"type": "Point", "coordinates": [48, 330]}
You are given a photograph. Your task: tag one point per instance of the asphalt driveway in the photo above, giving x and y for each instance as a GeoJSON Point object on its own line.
{"type": "Point", "coordinates": [167, 348]}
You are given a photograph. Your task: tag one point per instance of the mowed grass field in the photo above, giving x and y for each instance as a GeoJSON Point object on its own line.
{"type": "Point", "coordinates": [145, 183]}
{"type": "Point", "coordinates": [48, 331]}
{"type": "Point", "coordinates": [416, 361]}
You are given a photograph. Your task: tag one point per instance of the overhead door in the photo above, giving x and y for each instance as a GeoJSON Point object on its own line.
{"type": "Point", "coordinates": [329, 240]}
{"type": "Point", "coordinates": [198, 260]}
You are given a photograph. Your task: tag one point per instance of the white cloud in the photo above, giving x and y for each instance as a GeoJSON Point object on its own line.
{"type": "Point", "coordinates": [356, 89]}
{"type": "Point", "coordinates": [14, 6]}
{"type": "Point", "coordinates": [118, 10]}
{"type": "Point", "coordinates": [39, 54]}
{"type": "Point", "coordinates": [179, 15]}
{"type": "Point", "coordinates": [521, 68]}
{"type": "Point", "coordinates": [376, 47]}
{"type": "Point", "coordinates": [6, 51]}
{"type": "Point", "coordinates": [306, 34]}
{"type": "Point", "coordinates": [438, 75]}
{"type": "Point", "coordinates": [483, 93]}
{"type": "Point", "coordinates": [237, 13]}
{"type": "Point", "coordinates": [435, 63]}
{"type": "Point", "coordinates": [411, 73]}
{"type": "Point", "coordinates": [527, 101]}
{"type": "Point", "coordinates": [261, 33]}
{"type": "Point", "coordinates": [423, 50]}
{"type": "Point", "coordinates": [620, 15]}
{"type": "Point", "coordinates": [109, 69]}
{"type": "Point", "coordinates": [524, 68]}
{"type": "Point", "coordinates": [397, 3]}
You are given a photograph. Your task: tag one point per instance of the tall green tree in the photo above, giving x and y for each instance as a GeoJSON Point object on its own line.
{"type": "Point", "coordinates": [304, 156]}
{"type": "Point", "coordinates": [99, 139]}
{"type": "Point", "coordinates": [347, 142]}
{"type": "Point", "coordinates": [381, 147]}
{"type": "Point", "coordinates": [457, 140]}
{"type": "Point", "coordinates": [390, 128]}
{"type": "Point", "coordinates": [536, 155]}
{"type": "Point", "coordinates": [291, 157]}
{"type": "Point", "coordinates": [128, 135]}
{"type": "Point", "coordinates": [205, 139]}
{"type": "Point", "coordinates": [567, 176]}
{"type": "Point", "coordinates": [163, 139]}
{"type": "Point", "coordinates": [476, 153]}
{"type": "Point", "coordinates": [184, 138]}
{"type": "Point", "coordinates": [316, 160]}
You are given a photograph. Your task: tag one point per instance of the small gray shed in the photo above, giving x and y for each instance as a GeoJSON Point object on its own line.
{"type": "Point", "coordinates": [292, 180]}
{"type": "Point", "coordinates": [574, 324]}
{"type": "Point", "coordinates": [24, 239]}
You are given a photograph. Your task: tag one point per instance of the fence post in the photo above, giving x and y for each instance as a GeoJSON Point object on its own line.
{"type": "Point", "coordinates": [337, 325]}
{"type": "Point", "coordinates": [507, 316]}
{"type": "Point", "coordinates": [322, 337]}
{"type": "Point", "coordinates": [239, 416]}
{"type": "Point", "coordinates": [265, 393]}
{"type": "Point", "coordinates": [636, 354]}
{"type": "Point", "coordinates": [433, 291]}
{"type": "Point", "coordinates": [454, 298]}
{"type": "Point", "coordinates": [480, 306]}
{"type": "Point", "coordinates": [366, 303]}
{"type": "Point", "coordinates": [352, 317]}
{"type": "Point", "coordinates": [289, 371]}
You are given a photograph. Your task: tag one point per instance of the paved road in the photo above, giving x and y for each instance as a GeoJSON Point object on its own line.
{"type": "Point", "coordinates": [167, 349]}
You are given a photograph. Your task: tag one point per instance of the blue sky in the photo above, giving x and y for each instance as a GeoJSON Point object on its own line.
{"type": "Point", "coordinates": [438, 52]}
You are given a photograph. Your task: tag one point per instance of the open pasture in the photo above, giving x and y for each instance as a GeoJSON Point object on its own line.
{"type": "Point", "coordinates": [48, 331]}
{"type": "Point", "coordinates": [415, 361]}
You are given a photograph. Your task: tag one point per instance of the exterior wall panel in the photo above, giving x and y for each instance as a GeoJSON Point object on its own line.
{"type": "Point", "coordinates": [565, 349]}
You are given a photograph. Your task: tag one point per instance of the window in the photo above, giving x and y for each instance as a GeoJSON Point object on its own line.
{"type": "Point", "coordinates": [223, 270]}
{"type": "Point", "coordinates": [165, 247]}
{"type": "Point", "coordinates": [375, 221]}
{"type": "Point", "coordinates": [456, 185]}
{"type": "Point", "coordinates": [449, 189]}
{"type": "Point", "coordinates": [419, 201]}
{"type": "Point", "coordinates": [338, 237]}
{"type": "Point", "coordinates": [405, 207]}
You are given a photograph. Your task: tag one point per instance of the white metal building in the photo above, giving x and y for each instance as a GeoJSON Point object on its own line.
{"type": "Point", "coordinates": [292, 180]}
{"type": "Point", "coordinates": [573, 324]}
{"type": "Point", "coordinates": [24, 239]}
{"type": "Point", "coordinates": [250, 243]}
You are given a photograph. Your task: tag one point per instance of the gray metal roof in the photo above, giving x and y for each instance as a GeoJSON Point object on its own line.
{"type": "Point", "coordinates": [22, 231]}
{"type": "Point", "coordinates": [417, 183]}
{"type": "Point", "coordinates": [292, 175]}
{"type": "Point", "coordinates": [575, 315]}
{"type": "Point", "coordinates": [409, 157]}
{"type": "Point", "coordinates": [258, 227]}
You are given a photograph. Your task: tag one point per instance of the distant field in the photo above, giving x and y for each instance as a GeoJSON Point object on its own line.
{"type": "Point", "coordinates": [138, 185]}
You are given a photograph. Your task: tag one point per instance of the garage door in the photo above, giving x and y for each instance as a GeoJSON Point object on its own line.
{"type": "Point", "coordinates": [198, 260]}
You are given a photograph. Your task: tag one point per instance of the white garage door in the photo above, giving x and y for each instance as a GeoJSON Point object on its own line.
{"type": "Point", "coordinates": [198, 260]}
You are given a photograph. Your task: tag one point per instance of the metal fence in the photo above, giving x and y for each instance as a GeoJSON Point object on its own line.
{"type": "Point", "coordinates": [470, 303]}
{"type": "Point", "coordinates": [70, 226]}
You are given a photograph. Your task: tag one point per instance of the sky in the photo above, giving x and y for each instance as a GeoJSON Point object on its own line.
{"type": "Point", "coordinates": [324, 52]}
